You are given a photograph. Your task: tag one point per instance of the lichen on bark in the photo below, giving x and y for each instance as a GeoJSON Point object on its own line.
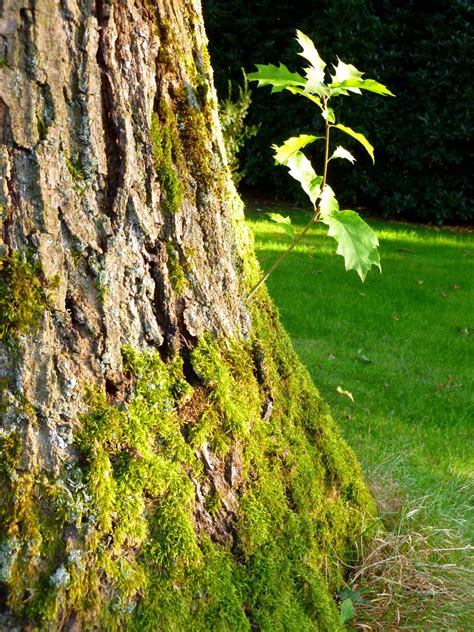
{"type": "Point", "coordinates": [165, 461]}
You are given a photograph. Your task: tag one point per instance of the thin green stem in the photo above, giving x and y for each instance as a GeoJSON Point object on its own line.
{"type": "Point", "coordinates": [275, 265]}
{"type": "Point", "coordinates": [326, 156]}
{"type": "Point", "coordinates": [314, 218]}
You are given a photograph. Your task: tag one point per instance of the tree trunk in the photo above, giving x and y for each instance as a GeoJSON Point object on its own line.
{"type": "Point", "coordinates": [165, 462]}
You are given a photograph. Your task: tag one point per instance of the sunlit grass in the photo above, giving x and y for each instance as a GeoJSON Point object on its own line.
{"type": "Point", "coordinates": [403, 344]}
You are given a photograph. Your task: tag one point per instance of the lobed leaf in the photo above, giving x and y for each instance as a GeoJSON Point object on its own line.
{"type": "Point", "coordinates": [344, 72]}
{"type": "Point", "coordinates": [327, 202]}
{"type": "Point", "coordinates": [356, 241]}
{"type": "Point", "coordinates": [303, 93]}
{"type": "Point", "coordinates": [301, 170]}
{"type": "Point", "coordinates": [340, 152]}
{"type": "Point", "coordinates": [285, 223]}
{"type": "Point", "coordinates": [291, 146]}
{"type": "Point", "coordinates": [279, 77]}
{"type": "Point", "coordinates": [362, 84]}
{"type": "Point", "coordinates": [329, 115]}
{"type": "Point", "coordinates": [310, 53]}
{"type": "Point", "coordinates": [359, 137]}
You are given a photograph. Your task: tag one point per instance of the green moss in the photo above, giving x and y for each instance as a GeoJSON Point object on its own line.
{"type": "Point", "coordinates": [3, 61]}
{"type": "Point", "coordinates": [165, 146]}
{"type": "Point", "coordinates": [41, 127]}
{"type": "Point", "coordinates": [22, 299]}
{"type": "Point", "coordinates": [76, 169]}
{"type": "Point", "coordinates": [141, 556]}
{"type": "Point", "coordinates": [176, 271]}
{"type": "Point", "coordinates": [195, 140]}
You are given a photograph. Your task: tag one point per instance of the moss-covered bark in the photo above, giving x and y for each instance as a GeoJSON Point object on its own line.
{"type": "Point", "coordinates": [165, 461]}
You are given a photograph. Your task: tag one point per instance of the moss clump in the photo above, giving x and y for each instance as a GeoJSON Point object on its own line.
{"type": "Point", "coordinates": [165, 146]}
{"type": "Point", "coordinates": [22, 300]}
{"type": "Point", "coordinates": [76, 168]}
{"type": "Point", "coordinates": [177, 272]}
{"type": "Point", "coordinates": [152, 485]}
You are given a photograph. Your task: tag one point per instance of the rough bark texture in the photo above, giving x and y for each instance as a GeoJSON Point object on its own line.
{"type": "Point", "coordinates": [154, 426]}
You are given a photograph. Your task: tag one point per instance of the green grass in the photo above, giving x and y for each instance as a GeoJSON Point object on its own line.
{"type": "Point", "coordinates": [403, 344]}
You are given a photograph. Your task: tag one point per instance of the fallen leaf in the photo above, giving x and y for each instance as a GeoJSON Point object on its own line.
{"type": "Point", "coordinates": [362, 357]}
{"type": "Point", "coordinates": [455, 286]}
{"type": "Point", "coordinates": [341, 391]}
{"type": "Point", "coordinates": [465, 331]}
{"type": "Point", "coordinates": [331, 357]}
{"type": "Point", "coordinates": [444, 294]}
{"type": "Point", "coordinates": [420, 282]}
{"type": "Point", "coordinates": [395, 317]}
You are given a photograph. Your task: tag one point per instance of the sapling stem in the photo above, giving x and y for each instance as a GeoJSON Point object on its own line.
{"type": "Point", "coordinates": [326, 156]}
{"type": "Point", "coordinates": [275, 265]}
{"type": "Point", "coordinates": [297, 239]}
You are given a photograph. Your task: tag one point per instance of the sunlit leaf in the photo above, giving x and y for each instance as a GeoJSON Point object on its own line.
{"type": "Point", "coordinates": [342, 391]}
{"type": "Point", "coordinates": [344, 72]}
{"type": "Point", "coordinates": [340, 152]}
{"type": "Point", "coordinates": [284, 222]}
{"type": "Point", "coordinates": [291, 146]}
{"type": "Point", "coordinates": [359, 137]}
{"type": "Point", "coordinates": [362, 84]}
{"type": "Point", "coordinates": [327, 202]}
{"type": "Point", "coordinates": [303, 93]}
{"type": "Point", "coordinates": [356, 241]}
{"type": "Point", "coordinates": [315, 72]}
{"type": "Point", "coordinates": [328, 115]}
{"type": "Point", "coordinates": [310, 53]}
{"type": "Point", "coordinates": [279, 77]}
{"type": "Point", "coordinates": [301, 170]}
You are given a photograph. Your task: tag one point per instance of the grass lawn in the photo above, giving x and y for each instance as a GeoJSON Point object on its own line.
{"type": "Point", "coordinates": [402, 344]}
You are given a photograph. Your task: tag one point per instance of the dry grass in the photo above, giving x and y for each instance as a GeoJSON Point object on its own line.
{"type": "Point", "coordinates": [406, 579]}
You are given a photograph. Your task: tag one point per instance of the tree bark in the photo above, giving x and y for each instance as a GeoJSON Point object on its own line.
{"type": "Point", "coordinates": [125, 263]}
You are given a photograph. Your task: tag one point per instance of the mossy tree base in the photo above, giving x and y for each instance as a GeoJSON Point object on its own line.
{"type": "Point", "coordinates": [165, 462]}
{"type": "Point", "coordinates": [225, 502]}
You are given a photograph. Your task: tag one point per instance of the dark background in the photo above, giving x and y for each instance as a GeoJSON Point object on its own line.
{"type": "Point", "coordinates": [422, 51]}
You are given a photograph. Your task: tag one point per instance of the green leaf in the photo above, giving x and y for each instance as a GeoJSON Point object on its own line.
{"type": "Point", "coordinates": [312, 97]}
{"type": "Point", "coordinates": [285, 223]}
{"type": "Point", "coordinates": [340, 152]}
{"type": "Point", "coordinates": [362, 84]}
{"type": "Point", "coordinates": [301, 170]}
{"type": "Point", "coordinates": [310, 53]}
{"type": "Point", "coordinates": [315, 73]}
{"type": "Point", "coordinates": [329, 116]}
{"type": "Point", "coordinates": [291, 146]}
{"type": "Point", "coordinates": [327, 202]}
{"type": "Point", "coordinates": [356, 241]}
{"type": "Point", "coordinates": [347, 610]}
{"type": "Point", "coordinates": [344, 72]}
{"type": "Point", "coordinates": [279, 77]}
{"type": "Point", "coordinates": [359, 137]}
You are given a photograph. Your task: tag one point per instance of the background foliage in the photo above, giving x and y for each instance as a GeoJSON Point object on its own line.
{"type": "Point", "coordinates": [421, 51]}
